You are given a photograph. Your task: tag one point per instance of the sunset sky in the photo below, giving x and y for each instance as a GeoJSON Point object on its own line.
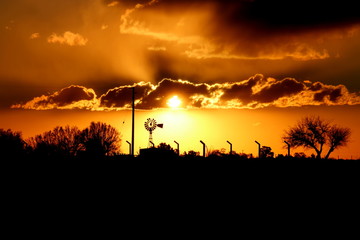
{"type": "Point", "coordinates": [241, 70]}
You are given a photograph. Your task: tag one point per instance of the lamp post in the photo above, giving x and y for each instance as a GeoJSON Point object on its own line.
{"type": "Point", "coordinates": [129, 147]}
{"type": "Point", "coordinates": [259, 147]}
{"type": "Point", "coordinates": [203, 147]}
{"type": "Point", "coordinates": [288, 144]}
{"type": "Point", "coordinates": [178, 148]}
{"type": "Point", "coordinates": [230, 147]}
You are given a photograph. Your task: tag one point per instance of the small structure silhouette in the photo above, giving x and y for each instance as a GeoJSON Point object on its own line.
{"type": "Point", "coordinates": [162, 152]}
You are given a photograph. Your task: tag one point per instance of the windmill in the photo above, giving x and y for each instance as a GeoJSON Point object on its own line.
{"type": "Point", "coordinates": [151, 125]}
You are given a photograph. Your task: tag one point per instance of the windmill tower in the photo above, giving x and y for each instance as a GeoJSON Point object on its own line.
{"type": "Point", "coordinates": [151, 125]}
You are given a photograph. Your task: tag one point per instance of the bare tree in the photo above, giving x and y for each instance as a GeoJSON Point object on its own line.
{"type": "Point", "coordinates": [315, 133]}
{"type": "Point", "coordinates": [61, 142]}
{"type": "Point", "coordinates": [338, 137]}
{"type": "Point", "coordinates": [100, 139]}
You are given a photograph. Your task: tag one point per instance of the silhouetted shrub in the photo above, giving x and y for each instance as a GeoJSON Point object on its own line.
{"type": "Point", "coordinates": [216, 154]}
{"type": "Point", "coordinates": [265, 152]}
{"type": "Point", "coordinates": [192, 155]}
{"type": "Point", "coordinates": [165, 146]}
{"type": "Point", "coordinates": [300, 155]}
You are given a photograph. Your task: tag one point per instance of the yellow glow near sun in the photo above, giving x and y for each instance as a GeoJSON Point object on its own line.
{"type": "Point", "coordinates": [174, 102]}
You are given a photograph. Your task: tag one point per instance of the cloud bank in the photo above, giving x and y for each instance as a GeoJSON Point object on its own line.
{"type": "Point", "coordinates": [72, 97]}
{"type": "Point", "coordinates": [255, 92]}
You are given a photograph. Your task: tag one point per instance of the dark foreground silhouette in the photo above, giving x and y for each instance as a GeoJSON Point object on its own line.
{"type": "Point", "coordinates": [161, 155]}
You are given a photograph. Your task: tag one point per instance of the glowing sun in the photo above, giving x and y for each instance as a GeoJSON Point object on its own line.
{"type": "Point", "coordinates": [174, 102]}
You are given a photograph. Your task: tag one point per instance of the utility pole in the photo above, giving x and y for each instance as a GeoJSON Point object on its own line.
{"type": "Point", "coordinates": [230, 147]}
{"type": "Point", "coordinates": [203, 147]}
{"type": "Point", "coordinates": [259, 147]}
{"type": "Point", "coordinates": [178, 147]}
{"type": "Point", "coordinates": [133, 123]}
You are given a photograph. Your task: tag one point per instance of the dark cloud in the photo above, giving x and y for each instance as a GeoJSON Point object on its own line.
{"type": "Point", "coordinates": [324, 92]}
{"type": "Point", "coordinates": [302, 13]}
{"type": "Point", "coordinates": [242, 91]}
{"type": "Point", "coordinates": [121, 96]}
{"type": "Point", "coordinates": [283, 14]}
{"type": "Point", "coordinates": [70, 97]}
{"type": "Point", "coordinates": [277, 15]}
{"type": "Point", "coordinates": [71, 94]}
{"type": "Point", "coordinates": [276, 90]}
{"type": "Point", "coordinates": [239, 30]}
{"type": "Point", "coordinates": [316, 86]}
{"type": "Point", "coordinates": [333, 93]}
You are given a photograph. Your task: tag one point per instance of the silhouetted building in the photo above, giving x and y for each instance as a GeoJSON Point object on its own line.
{"type": "Point", "coordinates": [158, 153]}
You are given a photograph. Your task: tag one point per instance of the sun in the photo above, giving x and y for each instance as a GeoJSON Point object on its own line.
{"type": "Point", "coordinates": [174, 102]}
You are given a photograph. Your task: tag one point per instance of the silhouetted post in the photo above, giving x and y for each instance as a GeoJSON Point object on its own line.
{"type": "Point", "coordinates": [133, 123]}
{"type": "Point", "coordinates": [203, 148]}
{"type": "Point", "coordinates": [129, 147]}
{"type": "Point", "coordinates": [230, 147]}
{"type": "Point", "coordinates": [153, 145]}
{"type": "Point", "coordinates": [178, 148]}
{"type": "Point", "coordinates": [259, 147]}
{"type": "Point", "coordinates": [288, 144]}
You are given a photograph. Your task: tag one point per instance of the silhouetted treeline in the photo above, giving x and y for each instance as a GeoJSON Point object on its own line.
{"type": "Point", "coordinates": [97, 141]}
{"type": "Point", "coordinates": [11, 144]}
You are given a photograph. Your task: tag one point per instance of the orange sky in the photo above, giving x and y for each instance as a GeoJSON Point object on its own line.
{"type": "Point", "coordinates": [227, 61]}
{"type": "Point", "coordinates": [188, 127]}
